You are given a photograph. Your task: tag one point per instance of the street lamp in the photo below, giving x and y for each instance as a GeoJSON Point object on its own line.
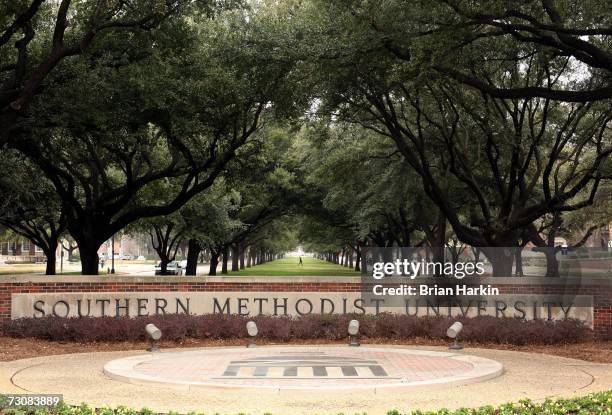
{"type": "Point", "coordinates": [61, 257]}
{"type": "Point", "coordinates": [113, 254]}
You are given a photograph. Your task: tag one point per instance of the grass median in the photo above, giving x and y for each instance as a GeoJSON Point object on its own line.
{"type": "Point", "coordinates": [290, 266]}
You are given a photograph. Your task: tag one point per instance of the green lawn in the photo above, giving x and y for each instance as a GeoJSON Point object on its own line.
{"type": "Point", "coordinates": [289, 267]}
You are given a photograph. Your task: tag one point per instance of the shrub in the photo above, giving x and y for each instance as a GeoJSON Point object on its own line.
{"type": "Point", "coordinates": [178, 327]}
{"type": "Point", "coordinates": [595, 403]}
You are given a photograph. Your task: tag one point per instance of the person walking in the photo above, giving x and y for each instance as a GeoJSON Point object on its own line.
{"type": "Point", "coordinates": [301, 263]}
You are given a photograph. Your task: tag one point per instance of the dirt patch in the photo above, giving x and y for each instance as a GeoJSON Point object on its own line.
{"type": "Point", "coordinates": [13, 348]}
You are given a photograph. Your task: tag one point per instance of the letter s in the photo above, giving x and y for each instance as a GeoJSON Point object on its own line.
{"type": "Point", "coordinates": [38, 306]}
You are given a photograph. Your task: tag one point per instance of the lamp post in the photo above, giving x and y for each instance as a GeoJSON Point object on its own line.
{"type": "Point", "coordinates": [113, 254]}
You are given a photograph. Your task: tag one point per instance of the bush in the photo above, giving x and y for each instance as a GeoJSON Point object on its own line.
{"type": "Point", "coordinates": [178, 327]}
{"type": "Point", "coordinates": [595, 403]}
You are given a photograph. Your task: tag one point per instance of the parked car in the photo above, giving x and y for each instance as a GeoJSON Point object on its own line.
{"type": "Point", "coordinates": [172, 268]}
{"type": "Point", "coordinates": [141, 258]}
{"type": "Point", "coordinates": [128, 257]}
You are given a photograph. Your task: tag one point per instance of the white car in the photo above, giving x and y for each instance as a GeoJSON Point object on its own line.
{"type": "Point", "coordinates": [171, 269]}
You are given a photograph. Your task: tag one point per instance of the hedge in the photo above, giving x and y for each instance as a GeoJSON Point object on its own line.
{"type": "Point", "coordinates": [484, 329]}
{"type": "Point", "coordinates": [593, 404]}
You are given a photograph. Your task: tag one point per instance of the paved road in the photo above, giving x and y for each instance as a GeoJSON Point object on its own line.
{"type": "Point", "coordinates": [121, 267]}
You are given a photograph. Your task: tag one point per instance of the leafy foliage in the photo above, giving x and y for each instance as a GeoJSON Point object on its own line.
{"type": "Point", "coordinates": [593, 404]}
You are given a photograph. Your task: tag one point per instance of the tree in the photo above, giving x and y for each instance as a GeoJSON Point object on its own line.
{"type": "Point", "coordinates": [367, 188]}
{"type": "Point", "coordinates": [468, 41]}
{"type": "Point", "coordinates": [37, 36]}
{"type": "Point", "coordinates": [30, 207]}
{"type": "Point", "coordinates": [559, 33]}
{"type": "Point", "coordinates": [263, 186]}
{"type": "Point", "coordinates": [209, 223]}
{"type": "Point", "coordinates": [166, 234]}
{"type": "Point", "coordinates": [516, 159]}
{"type": "Point", "coordinates": [271, 187]}
{"type": "Point", "coordinates": [69, 246]}
{"type": "Point", "coordinates": [179, 114]}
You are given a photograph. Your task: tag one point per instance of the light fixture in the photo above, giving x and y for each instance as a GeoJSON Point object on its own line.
{"type": "Point", "coordinates": [453, 332]}
{"type": "Point", "coordinates": [252, 331]}
{"type": "Point", "coordinates": [154, 335]}
{"type": "Point", "coordinates": [353, 331]}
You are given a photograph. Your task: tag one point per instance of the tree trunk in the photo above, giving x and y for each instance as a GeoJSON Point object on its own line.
{"type": "Point", "coordinates": [163, 262]}
{"type": "Point", "coordinates": [242, 254]}
{"type": "Point", "coordinates": [518, 260]}
{"type": "Point", "coordinates": [358, 260]}
{"type": "Point", "coordinates": [440, 239]}
{"type": "Point", "coordinates": [193, 252]}
{"type": "Point", "coordinates": [51, 260]}
{"type": "Point", "coordinates": [235, 257]}
{"type": "Point", "coordinates": [225, 259]}
{"type": "Point", "coordinates": [552, 264]}
{"type": "Point", "coordinates": [89, 259]}
{"type": "Point", "coordinates": [214, 261]}
{"type": "Point", "coordinates": [501, 260]}
{"type": "Point", "coordinates": [70, 249]}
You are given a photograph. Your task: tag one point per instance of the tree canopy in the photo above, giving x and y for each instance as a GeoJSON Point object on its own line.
{"type": "Point", "coordinates": [242, 129]}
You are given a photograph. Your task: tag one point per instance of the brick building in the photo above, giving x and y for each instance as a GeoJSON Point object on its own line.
{"type": "Point", "coordinates": [20, 250]}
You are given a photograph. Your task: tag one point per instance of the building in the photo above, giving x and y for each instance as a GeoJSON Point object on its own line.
{"type": "Point", "coordinates": [20, 250]}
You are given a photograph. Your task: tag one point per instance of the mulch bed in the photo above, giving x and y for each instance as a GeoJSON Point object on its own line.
{"type": "Point", "coordinates": [14, 348]}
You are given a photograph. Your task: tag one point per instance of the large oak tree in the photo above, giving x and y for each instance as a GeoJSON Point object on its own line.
{"type": "Point", "coordinates": [171, 106]}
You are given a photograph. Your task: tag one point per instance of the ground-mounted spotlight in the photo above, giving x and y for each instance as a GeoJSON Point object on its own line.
{"type": "Point", "coordinates": [353, 331]}
{"type": "Point", "coordinates": [154, 334]}
{"type": "Point", "coordinates": [453, 332]}
{"type": "Point", "coordinates": [252, 332]}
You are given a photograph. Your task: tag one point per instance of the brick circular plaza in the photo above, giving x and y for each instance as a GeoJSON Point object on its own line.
{"type": "Point", "coordinates": [313, 367]}
{"type": "Point", "coordinates": [80, 377]}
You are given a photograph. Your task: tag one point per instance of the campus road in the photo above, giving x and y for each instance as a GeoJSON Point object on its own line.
{"type": "Point", "coordinates": [135, 268]}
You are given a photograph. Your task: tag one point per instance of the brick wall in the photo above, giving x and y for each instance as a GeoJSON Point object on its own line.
{"type": "Point", "coordinates": [599, 289]}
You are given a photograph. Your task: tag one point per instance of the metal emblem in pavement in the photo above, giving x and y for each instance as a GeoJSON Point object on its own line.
{"type": "Point", "coordinates": [305, 365]}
